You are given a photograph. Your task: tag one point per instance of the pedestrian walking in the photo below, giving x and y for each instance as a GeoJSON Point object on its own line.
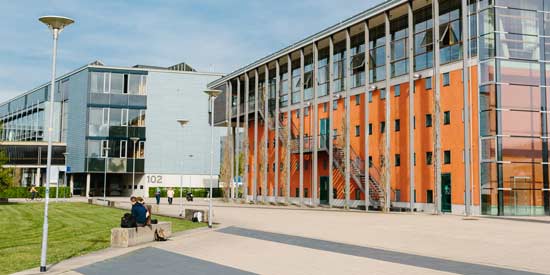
{"type": "Point", "coordinates": [170, 195]}
{"type": "Point", "coordinates": [157, 195]}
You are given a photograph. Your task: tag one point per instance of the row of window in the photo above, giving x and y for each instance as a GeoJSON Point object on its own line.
{"type": "Point", "coordinates": [115, 149]}
{"type": "Point", "coordinates": [104, 82]}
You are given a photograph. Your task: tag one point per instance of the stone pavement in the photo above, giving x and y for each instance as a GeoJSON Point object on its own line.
{"type": "Point", "coordinates": [272, 240]}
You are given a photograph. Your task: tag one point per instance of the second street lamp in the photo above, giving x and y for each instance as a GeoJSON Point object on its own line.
{"type": "Point", "coordinates": [182, 123]}
{"type": "Point", "coordinates": [212, 94]}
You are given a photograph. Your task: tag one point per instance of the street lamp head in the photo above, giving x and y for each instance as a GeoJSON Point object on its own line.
{"type": "Point", "coordinates": [65, 154]}
{"type": "Point", "coordinates": [372, 88]}
{"type": "Point", "coordinates": [183, 122]}
{"type": "Point", "coordinates": [417, 76]}
{"type": "Point", "coordinates": [213, 93]}
{"type": "Point", "coordinates": [56, 22]}
{"type": "Point", "coordinates": [134, 139]}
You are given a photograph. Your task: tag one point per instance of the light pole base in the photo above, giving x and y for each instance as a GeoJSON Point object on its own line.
{"type": "Point", "coordinates": [42, 269]}
{"type": "Point", "coordinates": [209, 226]}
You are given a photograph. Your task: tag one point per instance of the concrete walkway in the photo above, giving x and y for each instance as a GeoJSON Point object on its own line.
{"type": "Point", "coordinates": [273, 240]}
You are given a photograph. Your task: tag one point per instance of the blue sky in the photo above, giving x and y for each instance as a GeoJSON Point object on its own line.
{"type": "Point", "coordinates": [209, 35]}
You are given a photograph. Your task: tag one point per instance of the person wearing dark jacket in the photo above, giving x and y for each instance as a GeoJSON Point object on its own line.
{"type": "Point", "coordinates": [139, 212]}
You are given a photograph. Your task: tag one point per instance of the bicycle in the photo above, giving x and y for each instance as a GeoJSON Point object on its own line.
{"type": "Point", "coordinates": [37, 197]}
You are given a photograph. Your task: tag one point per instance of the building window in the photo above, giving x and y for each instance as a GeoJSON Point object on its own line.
{"type": "Point", "coordinates": [123, 148]}
{"type": "Point", "coordinates": [297, 194]}
{"type": "Point", "coordinates": [383, 93]}
{"type": "Point", "coordinates": [370, 129]}
{"type": "Point", "coordinates": [397, 160]}
{"type": "Point", "coordinates": [105, 116]}
{"type": "Point", "coordinates": [430, 196]}
{"type": "Point", "coordinates": [141, 150]}
{"type": "Point", "coordinates": [306, 111]}
{"type": "Point", "coordinates": [397, 125]}
{"type": "Point", "coordinates": [357, 100]}
{"type": "Point", "coordinates": [423, 38]}
{"type": "Point", "coordinates": [357, 130]}
{"type": "Point", "coordinates": [325, 107]}
{"type": "Point", "coordinates": [370, 96]}
{"type": "Point", "coordinates": [357, 194]}
{"type": "Point", "coordinates": [298, 113]}
{"type": "Point", "coordinates": [124, 117]}
{"type": "Point", "coordinates": [305, 193]}
{"type": "Point", "coordinates": [306, 165]}
{"type": "Point", "coordinates": [429, 158]}
{"type": "Point", "coordinates": [414, 159]}
{"type": "Point", "coordinates": [104, 148]}
{"type": "Point", "coordinates": [397, 90]}
{"type": "Point", "coordinates": [447, 157]}
{"type": "Point", "coordinates": [370, 161]}
{"type": "Point", "coordinates": [446, 79]}
{"type": "Point", "coordinates": [428, 120]}
{"type": "Point", "coordinates": [334, 193]}
{"type": "Point", "coordinates": [335, 105]}
{"type": "Point", "coordinates": [414, 122]}
{"type": "Point", "coordinates": [382, 126]}
{"type": "Point", "coordinates": [428, 83]}
{"type": "Point", "coordinates": [334, 134]}
{"type": "Point", "coordinates": [447, 118]}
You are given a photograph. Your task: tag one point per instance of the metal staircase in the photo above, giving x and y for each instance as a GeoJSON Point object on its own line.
{"type": "Point", "coordinates": [357, 173]}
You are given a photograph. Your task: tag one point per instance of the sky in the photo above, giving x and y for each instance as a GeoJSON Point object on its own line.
{"type": "Point", "coordinates": [210, 35]}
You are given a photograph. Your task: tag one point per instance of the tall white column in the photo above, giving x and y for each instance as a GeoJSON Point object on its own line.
{"type": "Point", "coordinates": [265, 94]}
{"type": "Point", "coordinates": [246, 143]}
{"type": "Point", "coordinates": [277, 119]}
{"type": "Point", "coordinates": [315, 132]}
{"type": "Point", "coordinates": [330, 122]}
{"type": "Point", "coordinates": [387, 152]}
{"type": "Point", "coordinates": [289, 128]}
{"type": "Point", "coordinates": [410, 44]}
{"type": "Point", "coordinates": [366, 117]}
{"type": "Point", "coordinates": [237, 136]}
{"type": "Point", "coordinates": [466, 104]}
{"type": "Point", "coordinates": [347, 119]}
{"type": "Point", "coordinates": [437, 111]}
{"type": "Point", "coordinates": [255, 173]}
{"type": "Point", "coordinates": [301, 137]}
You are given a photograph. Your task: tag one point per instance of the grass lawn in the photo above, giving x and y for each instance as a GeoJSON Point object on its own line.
{"type": "Point", "coordinates": [74, 229]}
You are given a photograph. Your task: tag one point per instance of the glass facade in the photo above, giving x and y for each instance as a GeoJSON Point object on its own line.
{"type": "Point", "coordinates": [513, 106]}
{"type": "Point", "coordinates": [117, 104]}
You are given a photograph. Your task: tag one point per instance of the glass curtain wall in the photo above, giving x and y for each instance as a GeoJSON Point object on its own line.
{"type": "Point", "coordinates": [338, 66]}
{"type": "Point", "coordinates": [423, 38]}
{"type": "Point", "coordinates": [399, 50]}
{"type": "Point", "coordinates": [377, 43]}
{"type": "Point", "coordinates": [116, 112]}
{"type": "Point", "coordinates": [357, 53]}
{"type": "Point", "coordinates": [450, 30]}
{"type": "Point", "coordinates": [513, 104]}
{"type": "Point", "coordinates": [284, 85]}
{"type": "Point", "coordinates": [323, 73]}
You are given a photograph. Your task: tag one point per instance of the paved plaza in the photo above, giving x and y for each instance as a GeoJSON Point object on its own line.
{"type": "Point", "coordinates": [249, 239]}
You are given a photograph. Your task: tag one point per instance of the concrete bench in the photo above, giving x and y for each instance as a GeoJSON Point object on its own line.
{"type": "Point", "coordinates": [189, 214]}
{"type": "Point", "coordinates": [126, 237]}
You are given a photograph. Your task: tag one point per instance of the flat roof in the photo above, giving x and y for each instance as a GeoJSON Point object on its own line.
{"type": "Point", "coordinates": [371, 12]}
{"type": "Point", "coordinates": [92, 65]}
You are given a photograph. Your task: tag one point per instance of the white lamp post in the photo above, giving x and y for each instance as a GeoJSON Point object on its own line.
{"type": "Point", "coordinates": [212, 94]}
{"type": "Point", "coordinates": [56, 25]}
{"type": "Point", "coordinates": [135, 140]}
{"type": "Point", "coordinates": [182, 122]}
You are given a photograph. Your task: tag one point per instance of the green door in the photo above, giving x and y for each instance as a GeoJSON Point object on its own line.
{"type": "Point", "coordinates": [323, 133]}
{"type": "Point", "coordinates": [445, 192]}
{"type": "Point", "coordinates": [324, 190]}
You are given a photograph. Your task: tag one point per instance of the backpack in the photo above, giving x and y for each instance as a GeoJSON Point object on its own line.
{"type": "Point", "coordinates": [160, 236]}
{"type": "Point", "coordinates": [128, 221]}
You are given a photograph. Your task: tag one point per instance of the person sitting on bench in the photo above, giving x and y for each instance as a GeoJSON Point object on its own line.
{"type": "Point", "coordinates": [139, 212]}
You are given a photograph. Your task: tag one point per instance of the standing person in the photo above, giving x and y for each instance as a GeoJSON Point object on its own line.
{"type": "Point", "coordinates": [170, 195]}
{"type": "Point", "coordinates": [33, 192]}
{"type": "Point", "coordinates": [157, 195]}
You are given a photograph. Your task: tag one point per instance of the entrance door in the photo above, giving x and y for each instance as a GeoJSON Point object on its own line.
{"type": "Point", "coordinates": [445, 192]}
{"type": "Point", "coordinates": [323, 133]}
{"type": "Point", "coordinates": [324, 190]}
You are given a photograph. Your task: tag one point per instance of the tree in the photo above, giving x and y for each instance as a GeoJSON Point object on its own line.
{"type": "Point", "coordinates": [225, 169]}
{"type": "Point", "coordinates": [6, 174]}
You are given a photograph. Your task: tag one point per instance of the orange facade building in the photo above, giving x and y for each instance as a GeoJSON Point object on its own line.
{"type": "Point", "coordinates": [332, 120]}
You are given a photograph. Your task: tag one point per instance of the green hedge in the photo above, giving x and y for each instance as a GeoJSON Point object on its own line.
{"type": "Point", "coordinates": [23, 192]}
{"type": "Point", "coordinates": [197, 192]}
